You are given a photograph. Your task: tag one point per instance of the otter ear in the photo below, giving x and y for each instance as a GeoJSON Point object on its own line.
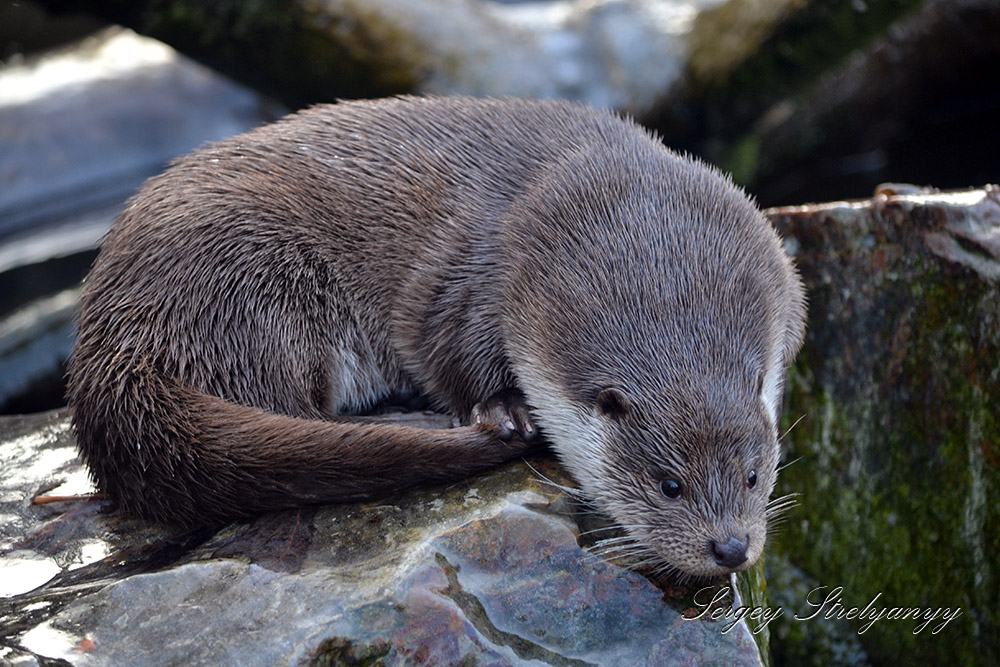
{"type": "Point", "coordinates": [612, 403]}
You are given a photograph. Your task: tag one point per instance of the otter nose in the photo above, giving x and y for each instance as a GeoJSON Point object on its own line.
{"type": "Point", "coordinates": [732, 553]}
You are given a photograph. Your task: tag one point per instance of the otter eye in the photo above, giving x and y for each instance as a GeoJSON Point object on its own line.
{"type": "Point", "coordinates": [612, 403]}
{"type": "Point", "coordinates": [752, 479]}
{"type": "Point", "coordinates": [671, 488]}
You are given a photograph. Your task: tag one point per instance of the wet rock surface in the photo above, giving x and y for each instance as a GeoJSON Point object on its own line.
{"type": "Point", "coordinates": [80, 129]}
{"type": "Point", "coordinates": [898, 388]}
{"type": "Point", "coordinates": [489, 570]}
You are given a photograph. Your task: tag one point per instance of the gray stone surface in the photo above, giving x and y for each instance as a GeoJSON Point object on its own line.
{"type": "Point", "coordinates": [487, 571]}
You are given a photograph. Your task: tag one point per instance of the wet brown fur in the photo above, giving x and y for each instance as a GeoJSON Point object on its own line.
{"type": "Point", "coordinates": [267, 283]}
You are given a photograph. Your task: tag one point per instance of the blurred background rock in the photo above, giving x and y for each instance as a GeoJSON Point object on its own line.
{"type": "Point", "coordinates": [802, 100]}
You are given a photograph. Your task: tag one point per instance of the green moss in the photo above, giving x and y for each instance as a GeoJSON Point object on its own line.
{"type": "Point", "coordinates": [752, 586]}
{"type": "Point", "coordinates": [813, 40]}
{"type": "Point", "coordinates": [741, 161]}
{"type": "Point", "coordinates": [814, 37]}
{"type": "Point", "coordinates": [898, 459]}
{"type": "Point", "coordinates": [748, 59]}
{"type": "Point", "coordinates": [339, 651]}
{"type": "Point", "coordinates": [817, 642]}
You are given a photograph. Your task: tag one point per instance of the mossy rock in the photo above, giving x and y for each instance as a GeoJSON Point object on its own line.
{"type": "Point", "coordinates": [898, 386]}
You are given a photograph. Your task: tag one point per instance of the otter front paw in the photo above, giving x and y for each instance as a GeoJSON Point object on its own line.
{"type": "Point", "coordinates": [507, 412]}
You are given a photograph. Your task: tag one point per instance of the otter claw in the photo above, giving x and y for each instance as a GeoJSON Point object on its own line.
{"type": "Point", "coordinates": [508, 413]}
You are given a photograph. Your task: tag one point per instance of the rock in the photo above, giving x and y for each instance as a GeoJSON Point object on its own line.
{"type": "Point", "coordinates": [840, 96]}
{"type": "Point", "coordinates": [799, 99]}
{"type": "Point", "coordinates": [620, 53]}
{"type": "Point", "coordinates": [81, 128]}
{"type": "Point", "coordinates": [818, 642]}
{"type": "Point", "coordinates": [35, 342]}
{"type": "Point", "coordinates": [489, 570]}
{"type": "Point", "coordinates": [898, 388]}
{"type": "Point", "coordinates": [84, 126]}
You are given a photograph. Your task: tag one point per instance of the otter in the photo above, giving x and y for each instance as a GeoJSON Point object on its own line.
{"type": "Point", "coordinates": [531, 267]}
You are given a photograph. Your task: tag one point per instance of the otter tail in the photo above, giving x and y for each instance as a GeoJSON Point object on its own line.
{"type": "Point", "coordinates": [171, 453]}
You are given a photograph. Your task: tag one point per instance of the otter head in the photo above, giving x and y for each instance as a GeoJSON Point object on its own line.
{"type": "Point", "coordinates": [651, 315]}
{"type": "Point", "coordinates": [688, 472]}
{"type": "Point", "coordinates": [685, 466]}
{"type": "Point", "coordinates": [665, 409]}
